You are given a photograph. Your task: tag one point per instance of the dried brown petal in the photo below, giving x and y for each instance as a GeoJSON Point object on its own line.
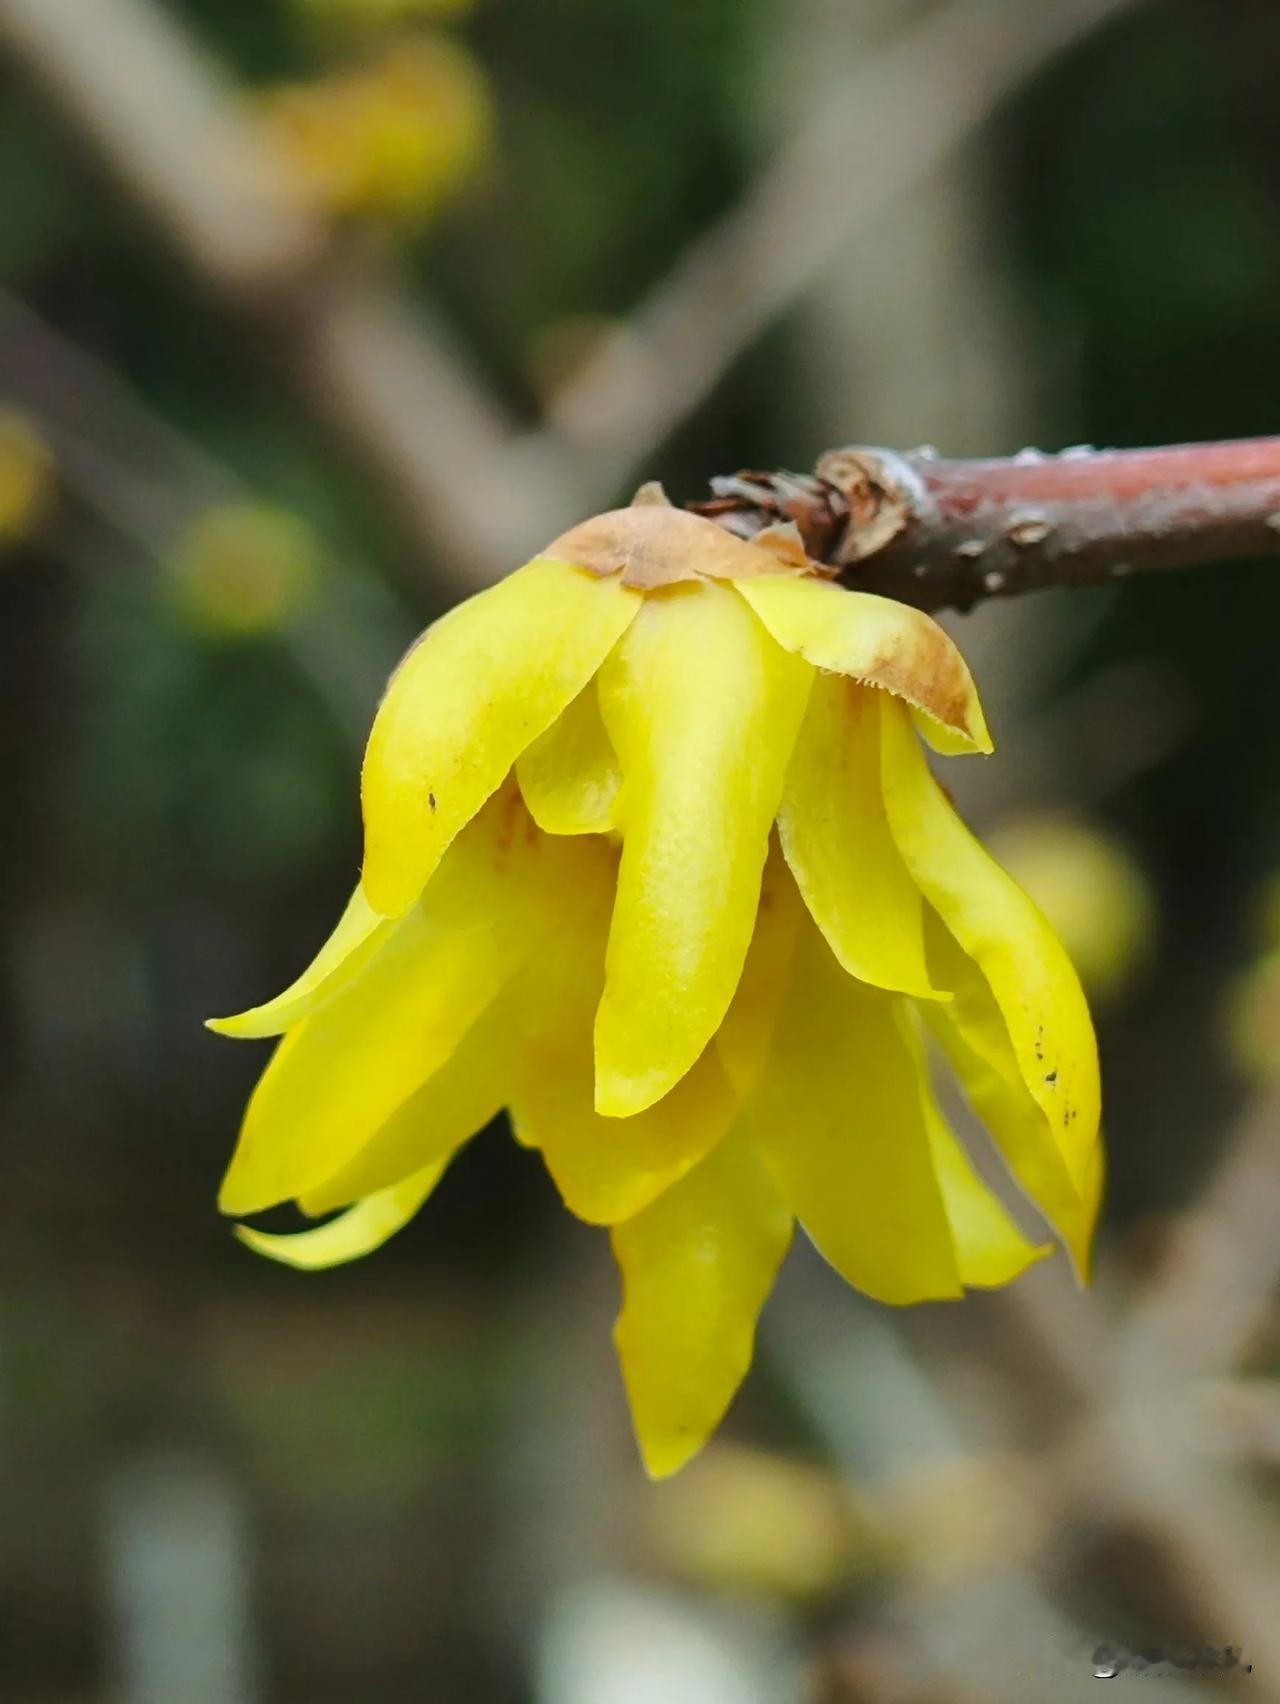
{"type": "Point", "coordinates": [650, 545]}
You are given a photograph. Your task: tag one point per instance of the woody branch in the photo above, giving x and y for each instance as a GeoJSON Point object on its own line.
{"type": "Point", "coordinates": [948, 534]}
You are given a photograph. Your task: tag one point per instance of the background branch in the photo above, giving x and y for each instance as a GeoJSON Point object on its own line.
{"type": "Point", "coordinates": [390, 388]}
{"type": "Point", "coordinates": [906, 108]}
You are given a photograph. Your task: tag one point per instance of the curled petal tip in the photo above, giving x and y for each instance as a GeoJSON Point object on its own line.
{"type": "Point", "coordinates": [880, 643]}
{"type": "Point", "coordinates": [250, 1025]}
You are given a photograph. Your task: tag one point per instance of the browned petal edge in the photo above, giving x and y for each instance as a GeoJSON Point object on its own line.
{"type": "Point", "coordinates": [926, 668]}
{"type": "Point", "coordinates": [651, 545]}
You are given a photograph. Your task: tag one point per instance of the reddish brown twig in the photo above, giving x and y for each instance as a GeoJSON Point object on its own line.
{"type": "Point", "coordinates": [947, 534]}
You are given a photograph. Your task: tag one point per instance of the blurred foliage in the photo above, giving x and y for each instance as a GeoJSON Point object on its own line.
{"type": "Point", "coordinates": [360, 17]}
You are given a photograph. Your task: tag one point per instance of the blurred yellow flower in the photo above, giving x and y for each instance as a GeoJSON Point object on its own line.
{"type": "Point", "coordinates": [745, 1521]}
{"type": "Point", "coordinates": [27, 475]}
{"type": "Point", "coordinates": [1090, 887]}
{"type": "Point", "coordinates": [245, 567]}
{"type": "Point", "coordinates": [392, 138]}
{"type": "Point", "coordinates": [376, 15]}
{"type": "Point", "coordinates": [653, 858]}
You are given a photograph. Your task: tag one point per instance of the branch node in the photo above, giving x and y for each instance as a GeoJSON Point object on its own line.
{"type": "Point", "coordinates": [884, 497]}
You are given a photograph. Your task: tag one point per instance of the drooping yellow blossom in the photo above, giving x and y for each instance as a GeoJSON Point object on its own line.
{"type": "Point", "coordinates": [654, 859]}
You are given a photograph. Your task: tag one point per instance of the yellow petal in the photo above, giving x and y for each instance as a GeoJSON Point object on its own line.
{"type": "Point", "coordinates": [879, 642]}
{"type": "Point", "coordinates": [341, 1074]}
{"type": "Point", "coordinates": [745, 1037]}
{"type": "Point", "coordinates": [840, 1118]}
{"type": "Point", "coordinates": [356, 1232]}
{"type": "Point", "coordinates": [702, 708]}
{"type": "Point", "coordinates": [975, 1038]}
{"type": "Point", "coordinates": [479, 686]}
{"type": "Point", "coordinates": [359, 934]}
{"type": "Point", "coordinates": [606, 1169]}
{"type": "Point", "coordinates": [569, 776]}
{"type": "Point", "coordinates": [837, 841]}
{"type": "Point", "coordinates": [1018, 1030]}
{"type": "Point", "coordinates": [696, 1267]}
{"type": "Point", "coordinates": [990, 1248]}
{"type": "Point", "coordinates": [459, 1099]}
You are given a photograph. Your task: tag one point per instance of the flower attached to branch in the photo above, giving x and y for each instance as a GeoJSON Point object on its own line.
{"type": "Point", "coordinates": [655, 860]}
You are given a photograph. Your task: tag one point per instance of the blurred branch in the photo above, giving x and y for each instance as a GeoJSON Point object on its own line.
{"type": "Point", "coordinates": [407, 406]}
{"type": "Point", "coordinates": [146, 483]}
{"type": "Point", "coordinates": [1220, 1271]}
{"type": "Point", "coordinates": [947, 534]}
{"type": "Point", "coordinates": [896, 117]}
{"type": "Point", "coordinates": [159, 118]}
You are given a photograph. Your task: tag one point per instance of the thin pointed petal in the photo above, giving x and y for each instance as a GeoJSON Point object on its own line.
{"type": "Point", "coordinates": [697, 1267]}
{"type": "Point", "coordinates": [839, 1117]}
{"type": "Point", "coordinates": [606, 1169]}
{"type": "Point", "coordinates": [569, 776]}
{"type": "Point", "coordinates": [990, 1249]}
{"type": "Point", "coordinates": [702, 708]}
{"type": "Point", "coordinates": [339, 1076]}
{"type": "Point", "coordinates": [836, 838]}
{"type": "Point", "coordinates": [1018, 1029]}
{"type": "Point", "coordinates": [459, 1099]}
{"type": "Point", "coordinates": [880, 642]}
{"type": "Point", "coordinates": [479, 686]}
{"type": "Point", "coordinates": [358, 936]}
{"type": "Point", "coordinates": [357, 1232]}
{"type": "Point", "coordinates": [975, 1038]}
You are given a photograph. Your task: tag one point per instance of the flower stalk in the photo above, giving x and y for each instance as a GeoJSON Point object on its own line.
{"type": "Point", "coordinates": [944, 534]}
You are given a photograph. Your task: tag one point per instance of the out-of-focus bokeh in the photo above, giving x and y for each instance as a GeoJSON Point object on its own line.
{"type": "Point", "coordinates": [315, 314]}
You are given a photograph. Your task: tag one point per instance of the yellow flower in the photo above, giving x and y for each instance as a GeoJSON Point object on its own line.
{"type": "Point", "coordinates": [391, 138]}
{"type": "Point", "coordinates": [28, 476]}
{"type": "Point", "coordinates": [654, 858]}
{"type": "Point", "coordinates": [245, 568]}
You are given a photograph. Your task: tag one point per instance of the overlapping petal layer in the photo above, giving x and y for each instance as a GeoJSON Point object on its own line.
{"type": "Point", "coordinates": [1018, 1031]}
{"type": "Point", "coordinates": [607, 1169]}
{"type": "Point", "coordinates": [341, 1073]}
{"type": "Point", "coordinates": [702, 708]}
{"type": "Point", "coordinates": [476, 690]}
{"type": "Point", "coordinates": [569, 776]}
{"type": "Point", "coordinates": [837, 841]}
{"type": "Point", "coordinates": [840, 1118]}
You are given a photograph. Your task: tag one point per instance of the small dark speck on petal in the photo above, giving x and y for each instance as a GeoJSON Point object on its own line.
{"type": "Point", "coordinates": [1051, 1078]}
{"type": "Point", "coordinates": [431, 800]}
